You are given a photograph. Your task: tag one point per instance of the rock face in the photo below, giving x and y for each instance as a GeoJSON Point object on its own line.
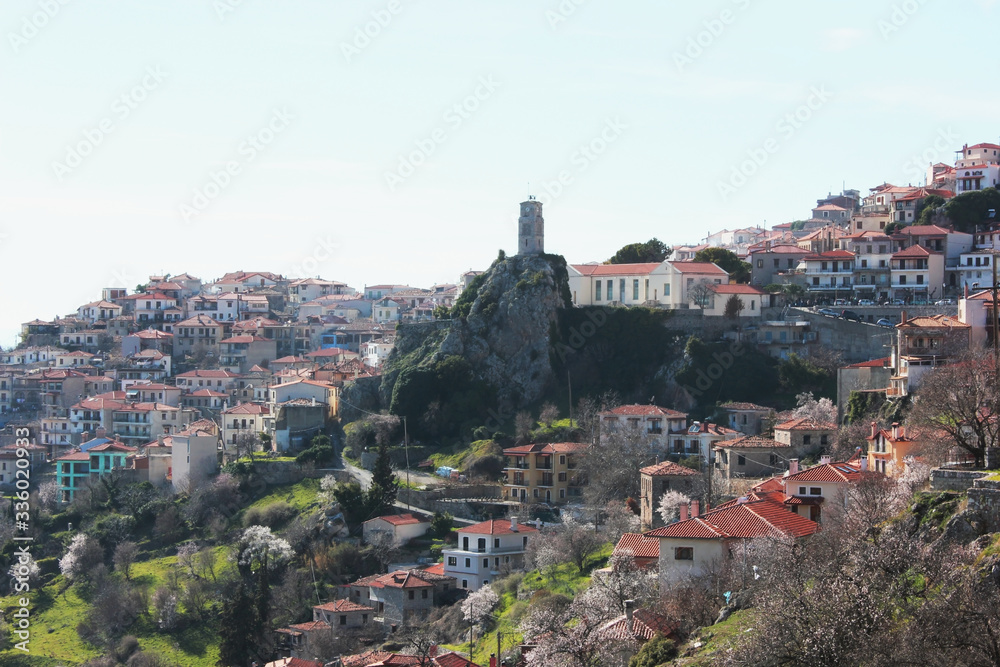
{"type": "Point", "coordinates": [505, 337]}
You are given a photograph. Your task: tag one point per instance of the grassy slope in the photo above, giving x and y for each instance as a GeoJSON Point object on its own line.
{"type": "Point", "coordinates": [54, 638]}
{"type": "Point", "coordinates": [564, 579]}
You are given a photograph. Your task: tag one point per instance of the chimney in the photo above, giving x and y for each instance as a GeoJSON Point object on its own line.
{"type": "Point", "coordinates": [684, 511]}
{"type": "Point", "coordinates": [629, 609]}
{"type": "Point", "coordinates": [895, 430]}
{"type": "Point", "coordinates": [101, 432]}
{"type": "Point", "coordinates": [160, 439]}
{"type": "Point", "coordinates": [538, 524]}
{"type": "Point", "coordinates": [826, 459]}
{"type": "Point", "coordinates": [85, 436]}
{"type": "Point", "coordinates": [864, 464]}
{"type": "Point", "coordinates": [513, 524]}
{"type": "Point", "coordinates": [694, 508]}
{"type": "Point", "coordinates": [965, 293]}
{"type": "Point", "coordinates": [874, 430]}
{"type": "Point", "coordinates": [493, 660]}
{"type": "Point", "coordinates": [707, 507]}
{"type": "Point", "coordinates": [902, 317]}
{"type": "Point", "coordinates": [742, 500]}
{"type": "Point", "coordinates": [793, 466]}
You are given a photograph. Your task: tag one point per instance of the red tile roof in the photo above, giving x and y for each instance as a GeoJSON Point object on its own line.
{"type": "Point", "coordinates": [828, 472]}
{"type": "Point", "coordinates": [804, 425]}
{"type": "Point", "coordinates": [75, 456]}
{"type": "Point", "coordinates": [667, 468]}
{"type": "Point", "coordinates": [401, 519]}
{"type": "Point", "coordinates": [750, 442]}
{"type": "Point", "coordinates": [759, 518]}
{"type": "Point", "coordinates": [873, 363]}
{"type": "Point", "coordinates": [342, 606]}
{"type": "Point", "coordinates": [453, 660]}
{"type": "Point", "coordinates": [698, 267]}
{"type": "Point", "coordinates": [497, 527]}
{"type": "Point", "coordinates": [546, 448]}
{"type": "Point", "coordinates": [615, 269]}
{"type": "Point", "coordinates": [403, 579]}
{"type": "Point", "coordinates": [644, 411]}
{"type": "Point", "coordinates": [736, 289]}
{"type": "Point", "coordinates": [736, 405]}
{"type": "Point", "coordinates": [365, 659]}
{"type": "Point", "coordinates": [646, 624]}
{"type": "Point", "coordinates": [639, 545]}
{"type": "Point", "coordinates": [247, 409]}
{"type": "Point", "coordinates": [915, 251]}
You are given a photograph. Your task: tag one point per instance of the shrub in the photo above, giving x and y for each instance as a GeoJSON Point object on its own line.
{"type": "Point", "coordinates": [273, 515]}
{"type": "Point", "coordinates": [442, 523]}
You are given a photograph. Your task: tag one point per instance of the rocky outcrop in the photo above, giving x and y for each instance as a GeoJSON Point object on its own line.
{"type": "Point", "coordinates": [505, 337]}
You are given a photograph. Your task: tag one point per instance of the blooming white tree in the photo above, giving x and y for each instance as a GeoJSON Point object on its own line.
{"type": "Point", "coordinates": [165, 607]}
{"type": "Point", "coordinates": [822, 410]}
{"type": "Point", "coordinates": [24, 567]}
{"type": "Point", "coordinates": [327, 485]}
{"type": "Point", "coordinates": [623, 580]}
{"type": "Point", "coordinates": [258, 547]}
{"type": "Point", "coordinates": [83, 554]}
{"type": "Point", "coordinates": [478, 606]}
{"type": "Point", "coordinates": [669, 505]}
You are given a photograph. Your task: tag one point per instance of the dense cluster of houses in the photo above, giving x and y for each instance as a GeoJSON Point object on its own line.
{"type": "Point", "coordinates": [157, 381]}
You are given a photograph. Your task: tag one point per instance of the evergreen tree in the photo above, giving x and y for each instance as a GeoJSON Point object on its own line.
{"type": "Point", "coordinates": [238, 628]}
{"type": "Point", "coordinates": [385, 484]}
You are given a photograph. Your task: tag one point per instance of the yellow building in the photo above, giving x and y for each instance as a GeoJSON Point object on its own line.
{"type": "Point", "coordinates": [888, 449]}
{"type": "Point", "coordinates": [544, 472]}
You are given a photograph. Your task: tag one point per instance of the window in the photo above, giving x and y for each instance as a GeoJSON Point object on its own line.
{"type": "Point", "coordinates": [741, 460]}
{"type": "Point", "coordinates": [481, 544]}
{"type": "Point", "coordinates": [343, 619]}
{"type": "Point", "coordinates": [562, 459]}
{"type": "Point", "coordinates": [621, 290]}
{"type": "Point", "coordinates": [773, 459]}
{"type": "Point", "coordinates": [562, 478]}
{"type": "Point", "coordinates": [760, 264]}
{"type": "Point", "coordinates": [485, 581]}
{"type": "Point", "coordinates": [815, 491]}
{"type": "Point", "coordinates": [823, 439]}
{"type": "Point", "coordinates": [411, 594]}
{"type": "Point", "coordinates": [486, 562]}
{"type": "Point", "coordinates": [423, 594]}
{"type": "Point", "coordinates": [496, 561]}
{"type": "Point", "coordinates": [806, 439]}
{"type": "Point", "coordinates": [364, 618]}
{"type": "Point", "coordinates": [465, 583]}
{"type": "Point", "coordinates": [496, 542]}
{"type": "Point", "coordinates": [635, 290]}
{"type": "Point", "coordinates": [597, 292]}
{"type": "Point", "coordinates": [468, 562]}
{"type": "Point", "coordinates": [524, 541]}
{"type": "Point", "coordinates": [683, 553]}
{"type": "Point", "coordinates": [452, 560]}
{"type": "Point", "coordinates": [666, 289]}
{"type": "Point", "coordinates": [802, 490]}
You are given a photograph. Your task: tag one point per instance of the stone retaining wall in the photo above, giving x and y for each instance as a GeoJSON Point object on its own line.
{"type": "Point", "coordinates": [950, 479]}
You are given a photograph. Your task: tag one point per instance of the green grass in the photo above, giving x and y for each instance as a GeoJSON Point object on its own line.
{"type": "Point", "coordinates": [55, 615]}
{"type": "Point", "coordinates": [714, 639]}
{"type": "Point", "coordinates": [457, 457]}
{"type": "Point", "coordinates": [302, 495]}
{"type": "Point", "coordinates": [564, 579]}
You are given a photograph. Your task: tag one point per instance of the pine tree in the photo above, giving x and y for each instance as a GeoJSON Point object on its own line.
{"type": "Point", "coordinates": [385, 484]}
{"type": "Point", "coordinates": [238, 628]}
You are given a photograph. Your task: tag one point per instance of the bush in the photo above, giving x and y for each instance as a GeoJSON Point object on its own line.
{"type": "Point", "coordinates": [655, 652]}
{"type": "Point", "coordinates": [490, 466]}
{"type": "Point", "coordinates": [441, 524]}
{"type": "Point", "coordinates": [273, 516]}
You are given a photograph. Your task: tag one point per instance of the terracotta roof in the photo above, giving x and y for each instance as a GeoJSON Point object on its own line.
{"type": "Point", "coordinates": [214, 374]}
{"type": "Point", "coordinates": [546, 448]}
{"type": "Point", "coordinates": [365, 659]}
{"type": "Point", "coordinates": [667, 468]}
{"type": "Point", "coordinates": [750, 442]}
{"type": "Point", "coordinates": [736, 289]}
{"type": "Point", "coordinates": [830, 254]}
{"type": "Point", "coordinates": [915, 251]}
{"type": "Point", "coordinates": [497, 527]}
{"type": "Point", "coordinates": [646, 624]}
{"type": "Point", "coordinates": [933, 321]}
{"type": "Point", "coordinates": [616, 269]}
{"type": "Point", "coordinates": [872, 363]}
{"type": "Point", "coordinates": [342, 606]}
{"type": "Point", "coordinates": [640, 545]}
{"type": "Point", "coordinates": [453, 660]}
{"type": "Point", "coordinates": [698, 267]}
{"type": "Point", "coordinates": [403, 579]}
{"type": "Point", "coordinates": [644, 411]}
{"type": "Point", "coordinates": [311, 626]}
{"type": "Point", "coordinates": [437, 568]}
{"type": "Point", "coordinates": [111, 447]}
{"type": "Point", "coordinates": [804, 425]}
{"type": "Point", "coordinates": [75, 456]}
{"type": "Point", "coordinates": [247, 409]}
{"type": "Point", "coordinates": [828, 472]}
{"type": "Point", "coordinates": [198, 321]}
{"type": "Point", "coordinates": [737, 405]}
{"type": "Point", "coordinates": [759, 518]}
{"type": "Point", "coordinates": [400, 519]}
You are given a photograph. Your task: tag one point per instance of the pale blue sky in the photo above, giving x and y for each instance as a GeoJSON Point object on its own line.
{"type": "Point", "coordinates": [898, 74]}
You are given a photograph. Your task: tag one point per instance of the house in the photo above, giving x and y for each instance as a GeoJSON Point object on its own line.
{"type": "Point", "coordinates": [639, 625]}
{"type": "Point", "coordinates": [200, 333]}
{"type": "Point", "coordinates": [975, 270]}
{"type": "Point", "coordinates": [747, 418]}
{"type": "Point", "coordinates": [386, 310]}
{"type": "Point", "coordinates": [889, 448]}
{"type": "Point", "coordinates": [666, 284]}
{"type": "Point", "coordinates": [138, 423]}
{"type": "Point", "coordinates": [219, 380]}
{"type": "Point", "coordinates": [698, 440]}
{"type": "Point", "coordinates": [828, 274]}
{"type": "Point", "coordinates": [751, 298]}
{"type": "Point", "coordinates": [296, 422]}
{"type": "Point", "coordinates": [544, 472]}
{"type": "Point", "coordinates": [656, 480]}
{"type": "Point", "coordinates": [240, 353]}
{"type": "Point", "coordinates": [774, 263]}
{"type": "Point", "coordinates": [98, 311]}
{"type": "Point", "coordinates": [649, 421]}
{"type": "Point", "coordinates": [977, 311]}
{"type": "Point", "coordinates": [872, 375]}
{"type": "Point", "coordinates": [243, 421]}
{"type": "Point", "coordinates": [644, 550]}
{"type": "Point", "coordinates": [147, 339]}
{"type": "Point", "coordinates": [977, 167]}
{"type": "Point", "coordinates": [486, 550]}
{"type": "Point", "coordinates": [872, 260]}
{"type": "Point", "coordinates": [805, 434]}
{"type": "Point", "coordinates": [700, 544]}
{"type": "Point", "coordinates": [72, 474]}
{"type": "Point", "coordinates": [310, 390]}
{"type": "Point", "coordinates": [401, 527]}
{"type": "Point", "coordinates": [194, 457]}
{"type": "Point", "coordinates": [923, 343]}
{"type": "Point", "coordinates": [401, 597]}
{"type": "Point", "coordinates": [751, 456]}
{"type": "Point", "coordinates": [916, 274]}
{"type": "Point", "coordinates": [809, 490]}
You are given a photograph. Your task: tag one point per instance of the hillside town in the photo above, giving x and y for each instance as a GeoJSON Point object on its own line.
{"type": "Point", "coordinates": [161, 418]}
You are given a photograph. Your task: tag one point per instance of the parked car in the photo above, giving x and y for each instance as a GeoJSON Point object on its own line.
{"type": "Point", "coordinates": [850, 315]}
{"type": "Point", "coordinates": [944, 302]}
{"type": "Point", "coordinates": [866, 302]}
{"type": "Point", "coordinates": [840, 302]}
{"type": "Point", "coordinates": [885, 323]}
{"type": "Point", "coordinates": [828, 311]}
{"type": "Point", "coordinates": [897, 302]}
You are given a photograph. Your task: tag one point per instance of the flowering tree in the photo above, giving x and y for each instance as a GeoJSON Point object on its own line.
{"type": "Point", "coordinates": [624, 580]}
{"type": "Point", "coordinates": [479, 605]}
{"type": "Point", "coordinates": [822, 410]}
{"type": "Point", "coordinates": [83, 554]}
{"type": "Point", "coordinates": [259, 548]}
{"type": "Point", "coordinates": [669, 505]}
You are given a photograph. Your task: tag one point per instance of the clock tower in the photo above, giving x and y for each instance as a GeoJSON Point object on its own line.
{"type": "Point", "coordinates": [531, 228]}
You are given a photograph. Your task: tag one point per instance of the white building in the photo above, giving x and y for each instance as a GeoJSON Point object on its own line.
{"type": "Point", "coordinates": [402, 527]}
{"type": "Point", "coordinates": [486, 550]}
{"type": "Point", "coordinates": [667, 284]}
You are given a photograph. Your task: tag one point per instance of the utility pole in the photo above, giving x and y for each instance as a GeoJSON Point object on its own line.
{"type": "Point", "coordinates": [569, 384]}
{"type": "Point", "coordinates": [406, 450]}
{"type": "Point", "coordinates": [995, 318]}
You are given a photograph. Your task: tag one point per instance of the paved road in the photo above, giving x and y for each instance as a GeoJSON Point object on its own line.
{"type": "Point", "coordinates": [364, 478]}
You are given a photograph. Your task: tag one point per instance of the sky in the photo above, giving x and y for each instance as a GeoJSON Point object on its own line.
{"type": "Point", "coordinates": [390, 141]}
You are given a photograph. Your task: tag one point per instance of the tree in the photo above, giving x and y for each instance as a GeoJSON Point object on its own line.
{"type": "Point", "coordinates": [610, 466]}
{"type": "Point", "coordinates": [734, 307]}
{"type": "Point", "coordinates": [479, 605]}
{"type": "Point", "coordinates": [651, 251]}
{"type": "Point", "coordinates": [549, 414]}
{"type": "Point", "coordinates": [669, 505]}
{"type": "Point", "coordinates": [260, 549]}
{"type": "Point", "coordinates": [383, 548]}
{"type": "Point", "coordinates": [239, 626]}
{"type": "Point", "coordinates": [957, 405]}
{"type": "Point", "coordinates": [926, 209]}
{"type": "Point", "coordinates": [125, 554]}
{"type": "Point", "coordinates": [620, 582]}
{"type": "Point", "coordinates": [972, 208]}
{"type": "Point", "coordinates": [821, 411]}
{"type": "Point", "coordinates": [385, 484]}
{"type": "Point", "coordinates": [84, 553]}
{"type": "Point", "coordinates": [701, 293]}
{"type": "Point", "coordinates": [728, 261]}
{"type": "Point", "coordinates": [657, 651]}
{"type": "Point", "coordinates": [441, 524]}
{"type": "Point", "coordinates": [799, 374]}
{"type": "Point", "coordinates": [578, 542]}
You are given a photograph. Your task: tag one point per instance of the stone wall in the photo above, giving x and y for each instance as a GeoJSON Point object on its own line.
{"type": "Point", "coordinates": [984, 499]}
{"type": "Point", "coordinates": [950, 479]}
